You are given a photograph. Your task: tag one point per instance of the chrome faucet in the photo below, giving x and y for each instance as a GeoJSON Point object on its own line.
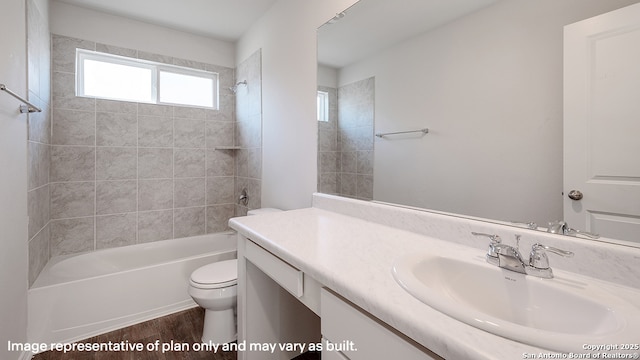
{"type": "Point", "coordinates": [508, 257]}
{"type": "Point", "coordinates": [561, 227]}
{"type": "Point", "coordinates": [502, 255]}
{"type": "Point", "coordinates": [492, 254]}
{"type": "Point", "coordinates": [539, 262]}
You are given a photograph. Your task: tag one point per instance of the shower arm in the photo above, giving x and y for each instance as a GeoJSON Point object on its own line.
{"type": "Point", "coordinates": [234, 88]}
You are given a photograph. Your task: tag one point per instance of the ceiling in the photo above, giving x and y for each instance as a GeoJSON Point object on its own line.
{"type": "Point", "coordinates": [372, 25]}
{"type": "Point", "coordinates": [383, 22]}
{"type": "Point", "coordinates": [219, 19]}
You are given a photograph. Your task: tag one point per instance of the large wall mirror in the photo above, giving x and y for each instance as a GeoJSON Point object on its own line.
{"type": "Point", "coordinates": [485, 77]}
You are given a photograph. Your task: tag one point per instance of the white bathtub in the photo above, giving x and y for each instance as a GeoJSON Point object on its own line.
{"type": "Point", "coordinates": [79, 296]}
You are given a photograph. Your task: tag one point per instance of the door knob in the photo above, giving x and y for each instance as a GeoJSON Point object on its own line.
{"type": "Point", "coordinates": [575, 195]}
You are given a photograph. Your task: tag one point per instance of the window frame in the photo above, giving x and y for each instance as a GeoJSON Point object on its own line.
{"type": "Point", "coordinates": [155, 67]}
{"type": "Point", "coordinates": [322, 103]}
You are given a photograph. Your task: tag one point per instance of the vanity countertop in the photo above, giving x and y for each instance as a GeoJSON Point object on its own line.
{"type": "Point", "coordinates": [354, 258]}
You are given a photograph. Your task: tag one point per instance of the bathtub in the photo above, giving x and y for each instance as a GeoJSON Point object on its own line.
{"type": "Point", "coordinates": [80, 296]}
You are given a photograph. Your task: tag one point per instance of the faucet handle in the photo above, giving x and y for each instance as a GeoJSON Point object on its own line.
{"type": "Point", "coordinates": [538, 256]}
{"type": "Point", "coordinates": [529, 225]}
{"type": "Point", "coordinates": [495, 239]}
{"type": "Point", "coordinates": [574, 232]}
{"type": "Point", "coordinates": [561, 227]}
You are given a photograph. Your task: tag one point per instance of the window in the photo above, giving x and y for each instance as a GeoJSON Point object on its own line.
{"type": "Point", "coordinates": [323, 106]}
{"type": "Point", "coordinates": [114, 77]}
{"type": "Point", "coordinates": [186, 89]}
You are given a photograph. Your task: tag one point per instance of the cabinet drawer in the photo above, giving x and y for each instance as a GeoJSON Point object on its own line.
{"type": "Point", "coordinates": [343, 323]}
{"type": "Point", "coordinates": [290, 278]}
{"type": "Point", "coordinates": [332, 355]}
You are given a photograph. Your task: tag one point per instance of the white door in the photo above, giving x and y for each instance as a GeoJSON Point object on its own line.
{"type": "Point", "coordinates": [602, 124]}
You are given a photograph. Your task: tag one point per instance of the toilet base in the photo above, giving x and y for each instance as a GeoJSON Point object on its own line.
{"type": "Point", "coordinates": [219, 327]}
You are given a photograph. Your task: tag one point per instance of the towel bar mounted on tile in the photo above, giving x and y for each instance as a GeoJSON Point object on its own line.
{"type": "Point", "coordinates": [424, 131]}
{"type": "Point", "coordinates": [27, 108]}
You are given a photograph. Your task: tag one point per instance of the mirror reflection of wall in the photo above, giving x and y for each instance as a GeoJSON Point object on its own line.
{"type": "Point", "coordinates": [488, 85]}
{"type": "Point", "coordinates": [345, 139]}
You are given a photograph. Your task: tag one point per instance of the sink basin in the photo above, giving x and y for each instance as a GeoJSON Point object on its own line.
{"type": "Point", "coordinates": [560, 314]}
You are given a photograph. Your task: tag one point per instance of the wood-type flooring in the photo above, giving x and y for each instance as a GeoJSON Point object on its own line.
{"type": "Point", "coordinates": [184, 327]}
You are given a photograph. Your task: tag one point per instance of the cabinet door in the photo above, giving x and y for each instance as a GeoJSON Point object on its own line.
{"type": "Point", "coordinates": [359, 336]}
{"type": "Point", "coordinates": [332, 355]}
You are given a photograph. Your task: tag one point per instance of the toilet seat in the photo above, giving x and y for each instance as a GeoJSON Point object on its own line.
{"type": "Point", "coordinates": [215, 275]}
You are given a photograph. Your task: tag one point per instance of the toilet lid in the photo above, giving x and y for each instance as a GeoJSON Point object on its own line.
{"type": "Point", "coordinates": [221, 273]}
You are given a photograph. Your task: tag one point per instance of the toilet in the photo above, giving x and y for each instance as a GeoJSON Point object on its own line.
{"type": "Point", "coordinates": [214, 288]}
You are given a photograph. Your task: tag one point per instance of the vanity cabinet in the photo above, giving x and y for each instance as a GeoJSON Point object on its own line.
{"type": "Point", "coordinates": [279, 303]}
{"type": "Point", "coordinates": [332, 355]}
{"type": "Point", "coordinates": [359, 336]}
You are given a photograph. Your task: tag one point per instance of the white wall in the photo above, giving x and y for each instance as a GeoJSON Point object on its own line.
{"type": "Point", "coordinates": [327, 76]}
{"type": "Point", "coordinates": [13, 180]}
{"type": "Point", "coordinates": [287, 36]}
{"type": "Point", "coordinates": [74, 21]}
{"type": "Point", "coordinates": [489, 87]}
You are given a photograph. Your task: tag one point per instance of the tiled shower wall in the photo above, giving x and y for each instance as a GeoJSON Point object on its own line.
{"type": "Point", "coordinates": [39, 136]}
{"type": "Point", "coordinates": [124, 173]}
{"type": "Point", "coordinates": [352, 154]}
{"type": "Point", "coordinates": [355, 137]}
{"type": "Point", "coordinates": [328, 152]}
{"type": "Point", "coordinates": [249, 132]}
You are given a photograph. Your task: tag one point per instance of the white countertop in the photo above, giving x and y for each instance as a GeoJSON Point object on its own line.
{"type": "Point", "coordinates": [354, 258]}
